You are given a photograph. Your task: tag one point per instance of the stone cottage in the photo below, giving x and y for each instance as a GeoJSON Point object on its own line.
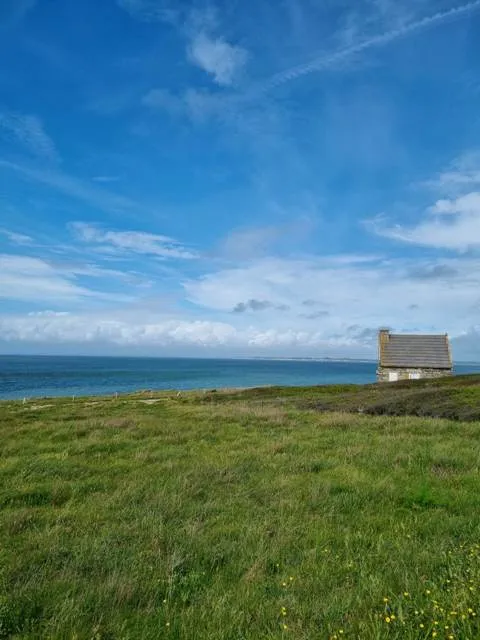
{"type": "Point", "coordinates": [411, 357]}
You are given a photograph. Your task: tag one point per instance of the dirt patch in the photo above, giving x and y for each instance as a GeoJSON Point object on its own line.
{"type": "Point", "coordinates": [38, 407]}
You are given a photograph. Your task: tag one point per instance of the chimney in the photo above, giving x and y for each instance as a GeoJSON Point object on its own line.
{"type": "Point", "coordinates": [383, 337]}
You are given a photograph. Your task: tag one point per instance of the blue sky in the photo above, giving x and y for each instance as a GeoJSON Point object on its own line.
{"type": "Point", "coordinates": [238, 178]}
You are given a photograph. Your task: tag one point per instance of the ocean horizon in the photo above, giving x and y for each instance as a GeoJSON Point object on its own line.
{"type": "Point", "coordinates": [23, 376]}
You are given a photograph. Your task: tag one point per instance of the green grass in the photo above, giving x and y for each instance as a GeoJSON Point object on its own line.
{"type": "Point", "coordinates": [241, 516]}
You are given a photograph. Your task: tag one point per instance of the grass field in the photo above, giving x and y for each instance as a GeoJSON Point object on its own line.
{"type": "Point", "coordinates": [261, 514]}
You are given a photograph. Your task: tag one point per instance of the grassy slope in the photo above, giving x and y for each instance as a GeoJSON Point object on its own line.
{"type": "Point", "coordinates": [455, 397]}
{"type": "Point", "coordinates": [233, 515]}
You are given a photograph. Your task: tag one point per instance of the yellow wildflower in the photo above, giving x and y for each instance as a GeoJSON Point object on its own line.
{"type": "Point", "coordinates": [387, 620]}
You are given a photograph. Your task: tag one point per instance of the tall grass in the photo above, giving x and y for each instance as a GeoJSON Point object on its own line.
{"type": "Point", "coordinates": [235, 519]}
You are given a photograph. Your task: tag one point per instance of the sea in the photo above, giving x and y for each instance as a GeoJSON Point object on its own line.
{"type": "Point", "coordinates": [50, 376]}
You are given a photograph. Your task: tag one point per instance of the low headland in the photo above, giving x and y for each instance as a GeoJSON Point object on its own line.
{"type": "Point", "coordinates": [315, 512]}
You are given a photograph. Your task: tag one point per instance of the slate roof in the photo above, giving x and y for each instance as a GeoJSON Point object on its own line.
{"type": "Point", "coordinates": [423, 351]}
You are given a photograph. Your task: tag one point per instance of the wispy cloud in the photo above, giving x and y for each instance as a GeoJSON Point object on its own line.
{"type": "Point", "coordinates": [217, 57]}
{"type": "Point", "coordinates": [164, 100]}
{"type": "Point", "coordinates": [75, 188]}
{"type": "Point", "coordinates": [245, 243]}
{"type": "Point", "coordinates": [106, 179]}
{"type": "Point", "coordinates": [28, 131]}
{"type": "Point", "coordinates": [150, 10]}
{"type": "Point", "coordinates": [326, 61]}
{"type": "Point", "coordinates": [16, 238]}
{"type": "Point", "coordinates": [132, 241]}
{"type": "Point", "coordinates": [12, 11]}
{"type": "Point", "coordinates": [197, 105]}
{"type": "Point", "coordinates": [32, 279]}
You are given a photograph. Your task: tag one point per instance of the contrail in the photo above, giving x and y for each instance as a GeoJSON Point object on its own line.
{"type": "Point", "coordinates": [326, 61]}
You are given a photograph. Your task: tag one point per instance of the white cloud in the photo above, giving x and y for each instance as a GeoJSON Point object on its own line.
{"type": "Point", "coordinates": [449, 224]}
{"type": "Point", "coordinates": [217, 57]}
{"type": "Point", "coordinates": [406, 295]}
{"type": "Point", "coordinates": [310, 306]}
{"type": "Point", "coordinates": [60, 328]}
{"type": "Point", "coordinates": [132, 241]}
{"type": "Point", "coordinates": [48, 314]}
{"type": "Point", "coordinates": [222, 60]}
{"type": "Point", "coordinates": [29, 132]}
{"type": "Point", "coordinates": [467, 204]}
{"type": "Point", "coordinates": [104, 333]}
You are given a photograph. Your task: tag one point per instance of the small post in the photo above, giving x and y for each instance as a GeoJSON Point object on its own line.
{"type": "Point", "coordinates": [73, 398]}
{"type": "Point", "coordinates": [24, 401]}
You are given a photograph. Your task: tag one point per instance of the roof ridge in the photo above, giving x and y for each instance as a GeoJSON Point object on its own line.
{"type": "Point", "coordinates": [419, 335]}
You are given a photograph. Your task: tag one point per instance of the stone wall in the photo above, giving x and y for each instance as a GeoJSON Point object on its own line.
{"type": "Point", "coordinates": [383, 374]}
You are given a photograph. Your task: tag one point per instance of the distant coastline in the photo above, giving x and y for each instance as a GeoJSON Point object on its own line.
{"type": "Point", "coordinates": [308, 359]}
{"type": "Point", "coordinates": [325, 359]}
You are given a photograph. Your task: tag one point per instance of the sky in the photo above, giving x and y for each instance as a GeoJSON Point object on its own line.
{"type": "Point", "coordinates": [254, 178]}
